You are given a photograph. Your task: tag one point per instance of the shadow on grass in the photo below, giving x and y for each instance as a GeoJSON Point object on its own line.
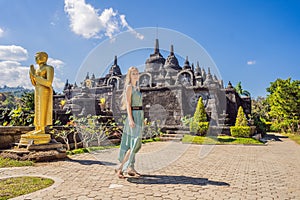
{"type": "Point", "coordinates": [167, 179]}
{"type": "Point", "coordinates": [226, 139]}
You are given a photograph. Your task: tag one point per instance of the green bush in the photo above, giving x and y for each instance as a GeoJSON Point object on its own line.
{"type": "Point", "coordinates": [199, 128]}
{"type": "Point", "coordinates": [261, 126]}
{"type": "Point", "coordinates": [22, 114]}
{"type": "Point", "coordinates": [285, 126]}
{"type": "Point", "coordinates": [240, 131]}
{"type": "Point", "coordinates": [186, 120]}
{"type": "Point", "coordinates": [241, 119]}
{"type": "Point", "coordinates": [199, 124]}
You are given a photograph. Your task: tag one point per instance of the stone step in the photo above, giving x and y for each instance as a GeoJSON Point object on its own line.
{"type": "Point", "coordinates": [172, 135]}
{"type": "Point", "coordinates": [170, 139]}
{"type": "Point", "coordinates": [19, 145]}
{"type": "Point", "coordinates": [177, 132]}
{"type": "Point", "coordinates": [18, 152]}
{"type": "Point", "coordinates": [174, 128]}
{"type": "Point", "coordinates": [39, 147]}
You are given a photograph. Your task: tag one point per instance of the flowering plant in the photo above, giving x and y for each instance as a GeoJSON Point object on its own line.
{"type": "Point", "coordinates": [63, 102]}
{"type": "Point", "coordinates": [102, 100]}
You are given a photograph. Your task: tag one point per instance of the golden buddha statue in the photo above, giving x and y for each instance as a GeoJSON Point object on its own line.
{"type": "Point", "coordinates": [41, 78]}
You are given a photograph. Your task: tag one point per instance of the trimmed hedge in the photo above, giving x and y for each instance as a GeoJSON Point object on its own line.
{"type": "Point", "coordinates": [199, 124]}
{"type": "Point", "coordinates": [240, 131]}
{"type": "Point", "coordinates": [199, 128]}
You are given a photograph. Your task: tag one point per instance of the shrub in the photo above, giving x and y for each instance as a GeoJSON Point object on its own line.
{"type": "Point", "coordinates": [241, 119]}
{"type": "Point", "coordinates": [202, 128]}
{"type": "Point", "coordinates": [22, 114]}
{"type": "Point", "coordinates": [285, 126]}
{"type": "Point", "coordinates": [261, 126]}
{"type": "Point", "coordinates": [198, 123]}
{"type": "Point", "coordinates": [186, 120]}
{"type": "Point", "coordinates": [240, 131]}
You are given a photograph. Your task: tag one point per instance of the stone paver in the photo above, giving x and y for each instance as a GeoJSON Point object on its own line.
{"type": "Point", "coordinates": [176, 171]}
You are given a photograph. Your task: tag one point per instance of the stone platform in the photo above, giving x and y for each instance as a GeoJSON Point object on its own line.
{"type": "Point", "coordinates": [35, 152]}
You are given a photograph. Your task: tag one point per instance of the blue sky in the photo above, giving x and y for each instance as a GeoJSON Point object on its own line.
{"type": "Point", "coordinates": [251, 41]}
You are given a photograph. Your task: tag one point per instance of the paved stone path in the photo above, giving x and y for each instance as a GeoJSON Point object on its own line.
{"type": "Point", "coordinates": [176, 171]}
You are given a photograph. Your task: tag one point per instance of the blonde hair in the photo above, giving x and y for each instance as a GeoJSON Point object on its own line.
{"type": "Point", "coordinates": [126, 84]}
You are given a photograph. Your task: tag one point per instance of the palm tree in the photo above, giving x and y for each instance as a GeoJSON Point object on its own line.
{"type": "Point", "coordinates": [240, 91]}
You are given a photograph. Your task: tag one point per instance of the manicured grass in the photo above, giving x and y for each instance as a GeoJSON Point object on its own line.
{"type": "Point", "coordinates": [295, 137]}
{"type": "Point", "coordinates": [198, 139]}
{"type": "Point", "coordinates": [156, 139]}
{"type": "Point", "coordinates": [7, 162]}
{"type": "Point", "coordinates": [218, 140]}
{"type": "Point", "coordinates": [89, 149]}
{"type": "Point", "coordinates": [16, 186]}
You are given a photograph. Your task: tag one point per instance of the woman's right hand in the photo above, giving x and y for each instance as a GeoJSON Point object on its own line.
{"type": "Point", "coordinates": [131, 123]}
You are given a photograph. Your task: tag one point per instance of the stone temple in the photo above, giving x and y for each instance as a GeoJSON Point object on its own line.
{"type": "Point", "coordinates": [170, 92]}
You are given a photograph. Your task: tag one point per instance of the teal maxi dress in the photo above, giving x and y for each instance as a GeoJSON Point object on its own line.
{"type": "Point", "coordinates": [132, 137]}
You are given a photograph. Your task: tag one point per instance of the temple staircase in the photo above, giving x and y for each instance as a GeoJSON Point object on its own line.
{"type": "Point", "coordinates": [173, 133]}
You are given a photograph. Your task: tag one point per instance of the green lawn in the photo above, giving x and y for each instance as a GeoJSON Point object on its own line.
{"type": "Point", "coordinates": [89, 149]}
{"type": "Point", "coordinates": [218, 140]}
{"type": "Point", "coordinates": [17, 186]}
{"type": "Point", "coordinates": [156, 139]}
{"type": "Point", "coordinates": [7, 162]}
{"type": "Point", "coordinates": [295, 137]}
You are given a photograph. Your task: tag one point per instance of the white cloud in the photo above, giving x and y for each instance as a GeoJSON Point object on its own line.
{"type": "Point", "coordinates": [251, 62]}
{"type": "Point", "coordinates": [58, 84]}
{"type": "Point", "coordinates": [13, 74]}
{"type": "Point", "coordinates": [1, 32]}
{"type": "Point", "coordinates": [57, 64]}
{"type": "Point", "coordinates": [110, 22]}
{"type": "Point", "coordinates": [55, 18]}
{"type": "Point", "coordinates": [125, 24]}
{"type": "Point", "coordinates": [87, 22]}
{"type": "Point", "coordinates": [83, 18]}
{"type": "Point", "coordinates": [13, 53]}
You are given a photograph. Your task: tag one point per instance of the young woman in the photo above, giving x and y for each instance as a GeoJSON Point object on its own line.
{"type": "Point", "coordinates": [131, 140]}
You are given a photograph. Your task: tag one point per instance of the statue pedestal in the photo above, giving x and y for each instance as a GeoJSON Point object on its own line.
{"type": "Point", "coordinates": [30, 138]}
{"type": "Point", "coordinates": [36, 152]}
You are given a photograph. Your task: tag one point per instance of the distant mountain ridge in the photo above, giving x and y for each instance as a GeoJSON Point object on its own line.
{"type": "Point", "coordinates": [16, 91]}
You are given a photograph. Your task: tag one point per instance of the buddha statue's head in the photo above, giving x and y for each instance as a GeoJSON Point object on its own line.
{"type": "Point", "coordinates": [41, 58]}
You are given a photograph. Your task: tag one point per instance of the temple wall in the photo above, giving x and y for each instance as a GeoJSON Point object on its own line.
{"type": "Point", "coordinates": [12, 134]}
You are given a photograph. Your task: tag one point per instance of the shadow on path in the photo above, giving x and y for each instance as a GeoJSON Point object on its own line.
{"type": "Point", "coordinates": [273, 137]}
{"type": "Point", "coordinates": [167, 179]}
{"type": "Point", "coordinates": [91, 162]}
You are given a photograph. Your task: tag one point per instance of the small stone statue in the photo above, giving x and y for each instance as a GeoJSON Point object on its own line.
{"type": "Point", "coordinates": [41, 78]}
{"type": "Point", "coordinates": [145, 82]}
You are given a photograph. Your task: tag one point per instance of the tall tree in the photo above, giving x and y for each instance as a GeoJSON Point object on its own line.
{"type": "Point", "coordinates": [284, 100]}
{"type": "Point", "coordinates": [260, 114]}
{"type": "Point", "coordinates": [260, 107]}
